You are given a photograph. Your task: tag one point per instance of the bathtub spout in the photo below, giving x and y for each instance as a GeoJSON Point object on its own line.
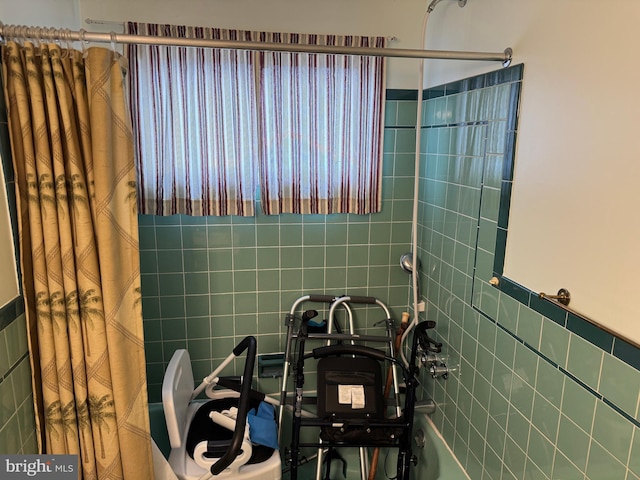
{"type": "Point", "coordinates": [426, 407]}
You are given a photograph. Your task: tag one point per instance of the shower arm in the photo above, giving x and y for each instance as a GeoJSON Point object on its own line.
{"type": "Point", "coordinates": [432, 5]}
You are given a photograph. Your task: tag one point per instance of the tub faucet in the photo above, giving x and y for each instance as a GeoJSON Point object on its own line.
{"type": "Point", "coordinates": [429, 350]}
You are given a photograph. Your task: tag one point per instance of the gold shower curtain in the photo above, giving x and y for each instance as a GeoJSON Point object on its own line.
{"type": "Point", "coordinates": [75, 180]}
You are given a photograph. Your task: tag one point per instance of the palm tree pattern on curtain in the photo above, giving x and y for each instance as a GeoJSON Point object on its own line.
{"type": "Point", "coordinates": [73, 160]}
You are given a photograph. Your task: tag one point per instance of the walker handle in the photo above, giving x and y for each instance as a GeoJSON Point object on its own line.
{"type": "Point", "coordinates": [249, 344]}
{"type": "Point", "coordinates": [321, 298]}
{"type": "Point", "coordinates": [359, 350]}
{"type": "Point", "coordinates": [352, 299]}
{"type": "Point", "coordinates": [362, 299]}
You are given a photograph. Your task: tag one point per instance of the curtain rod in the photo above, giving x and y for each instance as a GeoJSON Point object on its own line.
{"type": "Point", "coordinates": [66, 35]}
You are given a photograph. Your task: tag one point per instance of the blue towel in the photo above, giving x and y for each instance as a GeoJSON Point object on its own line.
{"type": "Point", "coordinates": [262, 425]}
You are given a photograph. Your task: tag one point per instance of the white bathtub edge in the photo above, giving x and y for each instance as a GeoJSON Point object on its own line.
{"type": "Point", "coordinates": [433, 429]}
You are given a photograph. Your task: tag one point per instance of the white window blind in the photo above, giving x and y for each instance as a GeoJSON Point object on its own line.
{"type": "Point", "coordinates": [214, 126]}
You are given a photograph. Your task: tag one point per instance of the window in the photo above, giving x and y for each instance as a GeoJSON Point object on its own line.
{"type": "Point", "coordinates": [214, 125]}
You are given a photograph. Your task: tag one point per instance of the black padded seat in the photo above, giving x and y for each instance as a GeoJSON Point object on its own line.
{"type": "Point", "coordinates": [202, 428]}
{"type": "Point", "coordinates": [361, 372]}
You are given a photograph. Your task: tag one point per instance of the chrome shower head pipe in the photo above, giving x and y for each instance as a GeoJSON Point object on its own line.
{"type": "Point", "coordinates": [432, 5]}
{"type": "Point", "coordinates": [406, 262]}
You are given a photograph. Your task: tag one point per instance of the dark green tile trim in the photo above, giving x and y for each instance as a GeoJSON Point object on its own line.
{"type": "Point", "coordinates": [3, 105]}
{"type": "Point", "coordinates": [510, 152]}
{"type": "Point", "coordinates": [511, 75]}
{"type": "Point", "coordinates": [10, 312]}
{"type": "Point", "coordinates": [167, 220]}
{"type": "Point", "coordinates": [398, 94]}
{"type": "Point", "coordinates": [517, 72]}
{"type": "Point", "coordinates": [547, 359]}
{"type": "Point", "coordinates": [3, 109]}
{"type": "Point", "coordinates": [581, 383]}
{"type": "Point", "coordinates": [498, 77]}
{"type": "Point", "coordinates": [5, 148]}
{"type": "Point", "coordinates": [621, 412]}
{"type": "Point", "coordinates": [590, 332]}
{"type": "Point", "coordinates": [548, 309]}
{"type": "Point", "coordinates": [434, 92]}
{"type": "Point", "coordinates": [10, 184]}
{"type": "Point", "coordinates": [468, 84]}
{"type": "Point", "coordinates": [146, 220]}
{"type": "Point", "coordinates": [504, 75]}
{"type": "Point", "coordinates": [514, 290]}
{"type": "Point", "coordinates": [581, 326]}
{"type": "Point", "coordinates": [503, 209]}
{"type": "Point", "coordinates": [13, 216]}
{"type": "Point", "coordinates": [459, 124]}
{"type": "Point", "coordinates": [629, 354]}
{"type": "Point", "coordinates": [533, 349]}
{"type": "Point", "coordinates": [14, 366]}
{"type": "Point", "coordinates": [501, 245]}
{"type": "Point", "coordinates": [514, 103]}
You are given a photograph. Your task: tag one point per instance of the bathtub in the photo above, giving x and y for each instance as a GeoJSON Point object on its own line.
{"type": "Point", "coordinates": [435, 460]}
{"type": "Point", "coordinates": [159, 428]}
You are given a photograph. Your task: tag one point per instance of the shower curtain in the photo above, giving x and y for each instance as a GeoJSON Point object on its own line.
{"type": "Point", "coordinates": [75, 179]}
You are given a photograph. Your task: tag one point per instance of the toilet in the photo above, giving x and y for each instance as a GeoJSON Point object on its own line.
{"type": "Point", "coordinates": [200, 431]}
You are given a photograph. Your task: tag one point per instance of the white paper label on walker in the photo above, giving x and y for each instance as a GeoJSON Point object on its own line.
{"type": "Point", "coordinates": [344, 394]}
{"type": "Point", "coordinates": [351, 395]}
{"type": "Point", "coordinates": [357, 396]}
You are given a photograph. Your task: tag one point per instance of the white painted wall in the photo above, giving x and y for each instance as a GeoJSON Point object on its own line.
{"type": "Point", "coordinates": [46, 13]}
{"type": "Point", "coordinates": [573, 205]}
{"type": "Point", "coordinates": [399, 18]}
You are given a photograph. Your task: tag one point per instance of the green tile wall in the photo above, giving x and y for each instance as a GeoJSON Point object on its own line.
{"type": "Point", "coordinates": [209, 281]}
{"type": "Point", "coordinates": [17, 423]}
{"type": "Point", "coordinates": [534, 393]}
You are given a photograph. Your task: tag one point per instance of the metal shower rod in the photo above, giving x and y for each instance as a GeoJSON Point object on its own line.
{"type": "Point", "coordinates": [66, 35]}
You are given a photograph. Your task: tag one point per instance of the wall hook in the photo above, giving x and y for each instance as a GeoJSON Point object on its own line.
{"type": "Point", "coordinates": [563, 296]}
